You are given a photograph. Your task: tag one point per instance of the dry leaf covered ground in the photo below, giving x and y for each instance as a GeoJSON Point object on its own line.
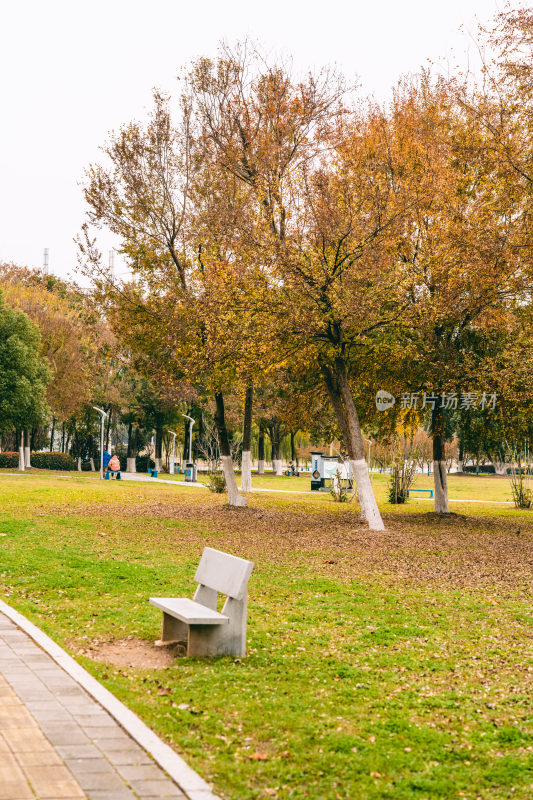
{"type": "Point", "coordinates": [392, 665]}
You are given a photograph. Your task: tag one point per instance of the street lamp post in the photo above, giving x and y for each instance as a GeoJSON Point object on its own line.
{"type": "Point", "coordinates": [173, 457]}
{"type": "Point", "coordinates": [103, 415]}
{"type": "Point", "coordinates": [190, 476]}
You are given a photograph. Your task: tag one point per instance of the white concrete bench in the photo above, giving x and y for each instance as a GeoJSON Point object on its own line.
{"type": "Point", "coordinates": [206, 631]}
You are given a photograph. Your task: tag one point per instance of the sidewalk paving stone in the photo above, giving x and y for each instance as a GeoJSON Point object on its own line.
{"type": "Point", "coordinates": [57, 742]}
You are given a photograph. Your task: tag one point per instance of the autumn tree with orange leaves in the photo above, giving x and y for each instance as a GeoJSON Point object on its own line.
{"type": "Point", "coordinates": [278, 228]}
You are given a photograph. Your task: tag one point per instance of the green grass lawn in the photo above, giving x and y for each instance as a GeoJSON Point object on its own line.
{"type": "Point", "coordinates": [495, 488]}
{"type": "Point", "coordinates": [391, 665]}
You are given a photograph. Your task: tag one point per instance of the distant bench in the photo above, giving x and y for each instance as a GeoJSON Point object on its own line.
{"type": "Point", "coordinates": [206, 631]}
{"type": "Point", "coordinates": [109, 473]}
{"type": "Point", "coordinates": [427, 491]}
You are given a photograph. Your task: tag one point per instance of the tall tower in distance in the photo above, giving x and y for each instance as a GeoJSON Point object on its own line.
{"type": "Point", "coordinates": [112, 265]}
{"type": "Point", "coordinates": [46, 261]}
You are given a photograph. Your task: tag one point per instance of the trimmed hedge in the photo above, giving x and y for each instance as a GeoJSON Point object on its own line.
{"type": "Point", "coordinates": [63, 461]}
{"type": "Point", "coordinates": [487, 469]}
{"type": "Point", "coordinates": [9, 460]}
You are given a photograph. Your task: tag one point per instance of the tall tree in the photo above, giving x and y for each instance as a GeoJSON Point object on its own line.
{"type": "Point", "coordinates": [24, 373]}
{"type": "Point", "coordinates": [464, 270]}
{"type": "Point", "coordinates": [325, 192]}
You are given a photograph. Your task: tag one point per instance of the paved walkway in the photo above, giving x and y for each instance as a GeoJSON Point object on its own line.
{"type": "Point", "coordinates": [56, 742]}
{"type": "Point", "coordinates": [130, 476]}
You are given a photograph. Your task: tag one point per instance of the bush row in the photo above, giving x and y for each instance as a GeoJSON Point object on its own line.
{"type": "Point", "coordinates": [9, 460]}
{"type": "Point", "coordinates": [62, 461]}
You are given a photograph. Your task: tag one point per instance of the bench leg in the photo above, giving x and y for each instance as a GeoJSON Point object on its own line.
{"type": "Point", "coordinates": [173, 630]}
{"type": "Point", "coordinates": [221, 640]}
{"type": "Point", "coordinates": [201, 641]}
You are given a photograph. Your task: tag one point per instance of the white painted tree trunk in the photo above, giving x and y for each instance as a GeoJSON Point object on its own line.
{"type": "Point", "coordinates": [341, 397]}
{"type": "Point", "coordinates": [27, 457]}
{"type": "Point", "coordinates": [92, 464]}
{"type": "Point", "coordinates": [500, 467]}
{"type": "Point", "coordinates": [440, 480]}
{"type": "Point", "coordinates": [277, 466]}
{"type": "Point", "coordinates": [261, 467]}
{"type": "Point", "coordinates": [158, 464]}
{"type": "Point", "coordinates": [79, 463]}
{"type": "Point", "coordinates": [234, 497]}
{"type": "Point", "coordinates": [459, 466]}
{"type": "Point", "coordinates": [21, 452]}
{"type": "Point", "coordinates": [246, 472]}
{"type": "Point", "coordinates": [131, 465]}
{"type": "Point", "coordinates": [369, 507]}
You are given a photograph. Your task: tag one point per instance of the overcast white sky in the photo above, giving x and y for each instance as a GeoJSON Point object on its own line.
{"type": "Point", "coordinates": [72, 70]}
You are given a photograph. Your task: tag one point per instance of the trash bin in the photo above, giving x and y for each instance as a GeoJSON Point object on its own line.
{"type": "Point", "coordinates": [190, 472]}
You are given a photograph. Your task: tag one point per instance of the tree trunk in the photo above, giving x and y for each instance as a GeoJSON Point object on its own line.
{"type": "Point", "coordinates": [261, 451]}
{"type": "Point", "coordinates": [52, 433]}
{"type": "Point", "coordinates": [275, 440]}
{"type": "Point", "coordinates": [461, 458]}
{"type": "Point", "coordinates": [158, 454]}
{"type": "Point", "coordinates": [91, 461]}
{"type": "Point", "coordinates": [27, 452]}
{"type": "Point", "coordinates": [234, 498]}
{"type": "Point", "coordinates": [340, 395]}
{"type": "Point", "coordinates": [440, 478]}
{"type": "Point", "coordinates": [63, 438]}
{"type": "Point", "coordinates": [246, 469]}
{"type": "Point", "coordinates": [294, 457]}
{"type": "Point", "coordinates": [501, 467]}
{"type": "Point", "coordinates": [21, 452]}
{"type": "Point", "coordinates": [131, 465]}
{"type": "Point", "coordinates": [79, 463]}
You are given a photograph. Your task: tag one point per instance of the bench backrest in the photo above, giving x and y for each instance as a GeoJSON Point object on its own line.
{"type": "Point", "coordinates": [224, 573]}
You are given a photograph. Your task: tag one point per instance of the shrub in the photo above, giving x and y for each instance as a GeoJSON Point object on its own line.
{"type": "Point", "coordinates": [216, 482]}
{"type": "Point", "coordinates": [520, 486]}
{"type": "Point", "coordinates": [340, 490]}
{"type": "Point", "coordinates": [9, 460]}
{"type": "Point", "coordinates": [402, 477]}
{"type": "Point", "coordinates": [62, 461]}
{"type": "Point", "coordinates": [487, 469]}
{"type": "Point", "coordinates": [141, 464]}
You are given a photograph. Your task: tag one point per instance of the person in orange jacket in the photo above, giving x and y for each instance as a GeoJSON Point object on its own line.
{"type": "Point", "coordinates": [114, 464]}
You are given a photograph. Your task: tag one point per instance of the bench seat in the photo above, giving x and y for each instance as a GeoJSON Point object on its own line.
{"type": "Point", "coordinates": [188, 611]}
{"type": "Point", "coordinates": [197, 622]}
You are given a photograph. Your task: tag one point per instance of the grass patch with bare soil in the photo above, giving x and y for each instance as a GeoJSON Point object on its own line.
{"type": "Point", "coordinates": [391, 665]}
